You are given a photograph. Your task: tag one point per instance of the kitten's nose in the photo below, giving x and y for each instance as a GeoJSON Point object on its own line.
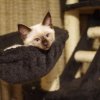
{"type": "Point", "coordinates": [45, 43]}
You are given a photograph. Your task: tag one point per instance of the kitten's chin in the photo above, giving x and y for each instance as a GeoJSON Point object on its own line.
{"type": "Point", "coordinates": [45, 48]}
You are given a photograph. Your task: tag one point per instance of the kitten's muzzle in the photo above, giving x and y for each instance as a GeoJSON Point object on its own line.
{"type": "Point", "coordinates": [45, 43]}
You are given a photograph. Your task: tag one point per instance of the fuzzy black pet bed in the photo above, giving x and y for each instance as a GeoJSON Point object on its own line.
{"type": "Point", "coordinates": [24, 64]}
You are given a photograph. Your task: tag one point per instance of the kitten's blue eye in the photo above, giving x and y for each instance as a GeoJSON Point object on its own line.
{"type": "Point", "coordinates": [37, 39]}
{"type": "Point", "coordinates": [47, 35]}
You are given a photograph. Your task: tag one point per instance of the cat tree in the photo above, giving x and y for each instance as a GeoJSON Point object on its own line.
{"type": "Point", "coordinates": [74, 10]}
{"type": "Point", "coordinates": [79, 17]}
{"type": "Point", "coordinates": [72, 24]}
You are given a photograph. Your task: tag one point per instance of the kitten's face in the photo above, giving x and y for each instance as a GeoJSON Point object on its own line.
{"type": "Point", "coordinates": [40, 35]}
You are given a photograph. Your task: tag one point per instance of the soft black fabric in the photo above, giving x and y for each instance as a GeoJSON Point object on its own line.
{"type": "Point", "coordinates": [10, 39]}
{"type": "Point", "coordinates": [24, 64]}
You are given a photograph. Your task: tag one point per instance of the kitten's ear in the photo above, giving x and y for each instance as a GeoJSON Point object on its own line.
{"type": "Point", "coordinates": [24, 30]}
{"type": "Point", "coordinates": [47, 20]}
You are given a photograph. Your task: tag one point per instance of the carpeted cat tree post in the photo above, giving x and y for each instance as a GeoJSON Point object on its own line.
{"type": "Point", "coordinates": [72, 24]}
{"type": "Point", "coordinates": [5, 93]}
{"type": "Point", "coordinates": [17, 92]}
